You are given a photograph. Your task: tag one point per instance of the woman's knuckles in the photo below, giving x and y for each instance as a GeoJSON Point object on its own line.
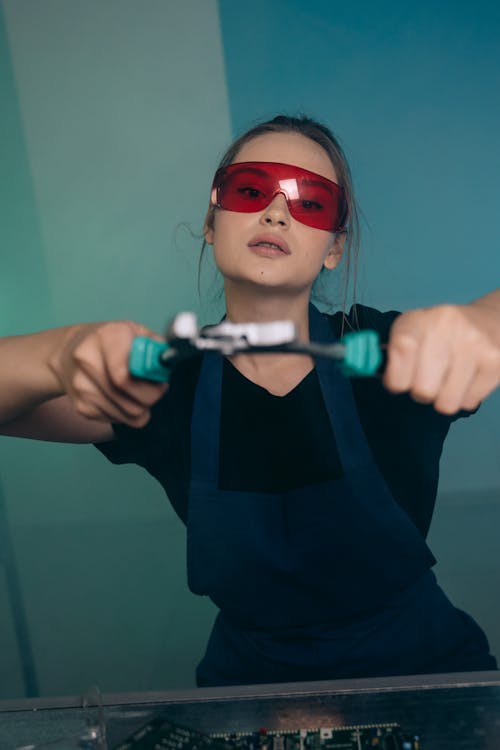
{"type": "Point", "coordinates": [132, 410]}
{"type": "Point", "coordinates": [423, 394]}
{"type": "Point", "coordinates": [403, 344]}
{"type": "Point", "coordinates": [141, 420]}
{"type": "Point", "coordinates": [81, 384]}
{"type": "Point", "coordinates": [86, 408]}
{"type": "Point", "coordinates": [490, 362]}
{"type": "Point", "coordinates": [119, 375]}
{"type": "Point", "coordinates": [447, 406]}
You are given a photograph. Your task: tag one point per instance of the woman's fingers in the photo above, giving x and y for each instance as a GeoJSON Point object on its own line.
{"type": "Point", "coordinates": [449, 398]}
{"type": "Point", "coordinates": [486, 380]}
{"type": "Point", "coordinates": [417, 362]}
{"type": "Point", "coordinates": [402, 354]}
{"type": "Point", "coordinates": [94, 371]}
{"type": "Point", "coordinates": [443, 356]}
{"type": "Point", "coordinates": [95, 398]}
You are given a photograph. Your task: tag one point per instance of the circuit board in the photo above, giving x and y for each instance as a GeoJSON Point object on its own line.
{"type": "Point", "coordinates": [161, 734]}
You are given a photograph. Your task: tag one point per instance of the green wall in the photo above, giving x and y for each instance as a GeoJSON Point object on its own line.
{"type": "Point", "coordinates": [113, 118]}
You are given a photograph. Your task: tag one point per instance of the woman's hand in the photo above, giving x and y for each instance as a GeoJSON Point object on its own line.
{"type": "Point", "coordinates": [448, 355]}
{"type": "Point", "coordinates": [92, 368]}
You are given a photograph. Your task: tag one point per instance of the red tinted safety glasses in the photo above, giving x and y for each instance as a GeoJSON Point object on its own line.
{"type": "Point", "coordinates": [250, 186]}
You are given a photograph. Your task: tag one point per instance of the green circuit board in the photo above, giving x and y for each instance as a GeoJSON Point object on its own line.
{"type": "Point", "coordinates": [161, 734]}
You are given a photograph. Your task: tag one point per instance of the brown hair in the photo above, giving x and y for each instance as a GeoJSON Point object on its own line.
{"type": "Point", "coordinates": [324, 137]}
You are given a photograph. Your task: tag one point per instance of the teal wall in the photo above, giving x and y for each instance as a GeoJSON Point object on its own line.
{"type": "Point", "coordinates": [101, 104]}
{"type": "Point", "coordinates": [411, 89]}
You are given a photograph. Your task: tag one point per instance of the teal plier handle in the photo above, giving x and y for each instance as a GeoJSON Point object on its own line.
{"type": "Point", "coordinates": [145, 360]}
{"type": "Point", "coordinates": [363, 354]}
{"type": "Point", "coordinates": [358, 354]}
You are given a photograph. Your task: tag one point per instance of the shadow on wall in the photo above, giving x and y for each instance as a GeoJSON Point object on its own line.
{"type": "Point", "coordinates": [105, 605]}
{"type": "Point", "coordinates": [464, 537]}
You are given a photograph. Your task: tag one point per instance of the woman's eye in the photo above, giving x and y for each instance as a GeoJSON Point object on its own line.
{"type": "Point", "coordinates": [249, 192]}
{"type": "Point", "coordinates": [312, 206]}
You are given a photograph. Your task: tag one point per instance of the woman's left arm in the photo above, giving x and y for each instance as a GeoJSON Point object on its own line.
{"type": "Point", "coordinates": [446, 355]}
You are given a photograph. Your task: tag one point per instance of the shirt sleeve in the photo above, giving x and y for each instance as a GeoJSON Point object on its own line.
{"type": "Point", "coordinates": [162, 446]}
{"type": "Point", "coordinates": [126, 447]}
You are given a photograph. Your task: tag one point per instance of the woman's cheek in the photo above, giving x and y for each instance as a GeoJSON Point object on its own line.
{"type": "Point", "coordinates": [225, 257]}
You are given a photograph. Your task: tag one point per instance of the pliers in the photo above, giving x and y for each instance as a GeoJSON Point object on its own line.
{"type": "Point", "coordinates": [358, 354]}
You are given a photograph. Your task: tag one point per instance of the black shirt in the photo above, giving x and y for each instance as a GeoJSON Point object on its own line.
{"type": "Point", "coordinates": [274, 444]}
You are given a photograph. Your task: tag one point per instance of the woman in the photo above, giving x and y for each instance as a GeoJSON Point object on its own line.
{"type": "Point", "coordinates": [307, 497]}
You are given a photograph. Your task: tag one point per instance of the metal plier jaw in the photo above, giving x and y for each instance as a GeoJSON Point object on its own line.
{"type": "Point", "coordinates": [357, 354]}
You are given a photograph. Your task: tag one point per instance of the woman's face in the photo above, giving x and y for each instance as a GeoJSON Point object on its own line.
{"type": "Point", "coordinates": [235, 235]}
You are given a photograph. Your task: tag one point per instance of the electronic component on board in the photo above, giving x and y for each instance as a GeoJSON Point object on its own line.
{"type": "Point", "coordinates": [162, 734]}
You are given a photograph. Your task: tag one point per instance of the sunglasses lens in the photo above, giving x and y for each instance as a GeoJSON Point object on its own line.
{"type": "Point", "coordinates": [245, 190]}
{"type": "Point", "coordinates": [316, 204]}
{"type": "Point", "coordinates": [251, 186]}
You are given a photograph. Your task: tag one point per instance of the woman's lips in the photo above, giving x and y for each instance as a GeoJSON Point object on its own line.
{"type": "Point", "coordinates": [269, 246]}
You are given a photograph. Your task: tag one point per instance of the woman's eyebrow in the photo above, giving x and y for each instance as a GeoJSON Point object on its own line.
{"type": "Point", "coordinates": [316, 183]}
{"type": "Point", "coordinates": [252, 170]}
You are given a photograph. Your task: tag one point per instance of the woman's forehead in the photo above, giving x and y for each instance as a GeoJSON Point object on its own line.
{"type": "Point", "coordinates": [288, 148]}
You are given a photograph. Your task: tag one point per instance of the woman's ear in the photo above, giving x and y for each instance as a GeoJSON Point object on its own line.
{"type": "Point", "coordinates": [336, 250]}
{"type": "Point", "coordinates": [208, 227]}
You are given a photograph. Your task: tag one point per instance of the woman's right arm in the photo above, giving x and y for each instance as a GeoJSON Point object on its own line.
{"type": "Point", "coordinates": [69, 384]}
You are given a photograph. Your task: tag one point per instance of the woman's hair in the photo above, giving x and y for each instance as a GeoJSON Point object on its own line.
{"type": "Point", "coordinates": [320, 134]}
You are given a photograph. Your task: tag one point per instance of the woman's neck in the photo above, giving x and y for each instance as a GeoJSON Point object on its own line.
{"type": "Point", "coordinates": [245, 306]}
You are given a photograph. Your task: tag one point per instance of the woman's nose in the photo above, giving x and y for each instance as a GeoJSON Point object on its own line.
{"type": "Point", "coordinates": [276, 212]}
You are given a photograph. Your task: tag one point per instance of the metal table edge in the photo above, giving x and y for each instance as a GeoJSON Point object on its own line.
{"type": "Point", "coordinates": [245, 692]}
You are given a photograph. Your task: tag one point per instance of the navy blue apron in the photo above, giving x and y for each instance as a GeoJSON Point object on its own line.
{"type": "Point", "coordinates": [312, 583]}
